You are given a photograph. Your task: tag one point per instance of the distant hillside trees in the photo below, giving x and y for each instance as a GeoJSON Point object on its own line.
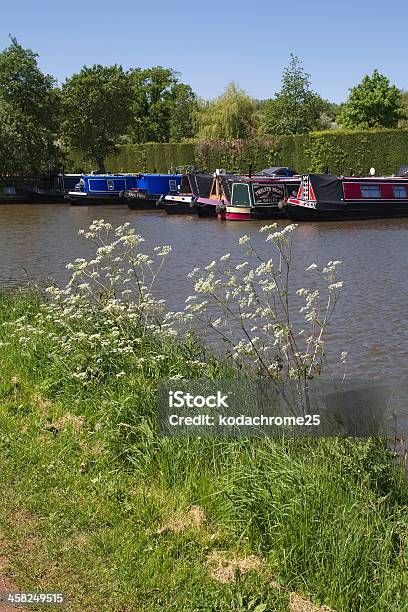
{"type": "Point", "coordinates": [230, 116]}
{"type": "Point", "coordinates": [162, 106]}
{"type": "Point", "coordinates": [296, 109]}
{"type": "Point", "coordinates": [97, 110]}
{"type": "Point", "coordinates": [29, 106]}
{"type": "Point", "coordinates": [373, 103]}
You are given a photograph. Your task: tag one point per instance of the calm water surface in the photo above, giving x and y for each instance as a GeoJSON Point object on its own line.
{"type": "Point", "coordinates": [371, 321]}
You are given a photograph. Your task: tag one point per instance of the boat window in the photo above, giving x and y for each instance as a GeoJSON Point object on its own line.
{"type": "Point", "coordinates": [400, 191]}
{"type": "Point", "coordinates": [173, 185]}
{"type": "Point", "coordinates": [370, 191]}
{"type": "Point", "coordinates": [110, 185]}
{"type": "Point", "coordinates": [240, 195]}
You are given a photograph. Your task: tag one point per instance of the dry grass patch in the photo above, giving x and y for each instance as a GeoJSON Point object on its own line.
{"type": "Point", "coordinates": [67, 420]}
{"type": "Point", "coordinates": [41, 402]}
{"type": "Point", "coordinates": [194, 518]}
{"type": "Point", "coordinates": [299, 604]}
{"type": "Point", "coordinates": [224, 569]}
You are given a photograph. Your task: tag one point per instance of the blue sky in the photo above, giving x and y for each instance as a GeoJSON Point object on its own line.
{"type": "Point", "coordinates": [212, 43]}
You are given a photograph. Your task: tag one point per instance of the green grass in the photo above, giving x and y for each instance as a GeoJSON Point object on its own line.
{"type": "Point", "coordinates": [85, 503]}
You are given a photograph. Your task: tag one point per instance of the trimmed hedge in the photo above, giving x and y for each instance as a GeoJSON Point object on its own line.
{"type": "Point", "coordinates": [338, 151]}
{"type": "Point", "coordinates": [385, 150]}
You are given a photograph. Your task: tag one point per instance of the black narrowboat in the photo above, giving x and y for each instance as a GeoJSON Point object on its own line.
{"type": "Point", "coordinates": [192, 185]}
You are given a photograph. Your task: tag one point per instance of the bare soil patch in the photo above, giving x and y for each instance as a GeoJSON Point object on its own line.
{"type": "Point", "coordinates": [224, 569]}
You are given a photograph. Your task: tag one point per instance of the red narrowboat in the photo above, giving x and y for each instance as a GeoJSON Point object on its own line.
{"type": "Point", "coordinates": [323, 197]}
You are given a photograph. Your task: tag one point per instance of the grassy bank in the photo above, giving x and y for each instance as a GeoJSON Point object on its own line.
{"type": "Point", "coordinates": [94, 503]}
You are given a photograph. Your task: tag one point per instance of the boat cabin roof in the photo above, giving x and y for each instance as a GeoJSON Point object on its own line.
{"type": "Point", "coordinates": [265, 179]}
{"type": "Point", "coordinates": [277, 171]}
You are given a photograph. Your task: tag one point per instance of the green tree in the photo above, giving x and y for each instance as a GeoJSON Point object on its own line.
{"type": "Point", "coordinates": [230, 116]}
{"type": "Point", "coordinates": [183, 106]}
{"type": "Point", "coordinates": [25, 146]}
{"type": "Point", "coordinates": [29, 105]}
{"type": "Point", "coordinates": [162, 105]}
{"type": "Point", "coordinates": [296, 109]}
{"type": "Point", "coordinates": [372, 103]}
{"type": "Point", "coordinates": [97, 110]}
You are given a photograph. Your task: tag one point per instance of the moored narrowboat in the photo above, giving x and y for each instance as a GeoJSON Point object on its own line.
{"type": "Point", "coordinates": [9, 195]}
{"type": "Point", "coordinates": [192, 185]}
{"type": "Point", "coordinates": [101, 188]}
{"type": "Point", "coordinates": [260, 197]}
{"type": "Point", "coordinates": [214, 205]}
{"type": "Point", "coordinates": [324, 197]}
{"type": "Point", "coordinates": [150, 188]}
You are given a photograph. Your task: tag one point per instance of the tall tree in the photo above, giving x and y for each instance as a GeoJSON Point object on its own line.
{"type": "Point", "coordinates": [230, 116]}
{"type": "Point", "coordinates": [183, 106]}
{"type": "Point", "coordinates": [28, 112]}
{"type": "Point", "coordinates": [97, 109]}
{"type": "Point", "coordinates": [25, 87]}
{"type": "Point", "coordinates": [26, 147]}
{"type": "Point", "coordinates": [296, 108]}
{"type": "Point", "coordinates": [162, 105]}
{"type": "Point", "coordinates": [372, 103]}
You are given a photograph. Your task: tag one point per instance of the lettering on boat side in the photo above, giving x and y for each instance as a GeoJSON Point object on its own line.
{"type": "Point", "coordinates": [268, 193]}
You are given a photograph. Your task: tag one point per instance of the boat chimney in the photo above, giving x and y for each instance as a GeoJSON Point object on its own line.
{"type": "Point", "coordinates": [351, 172]}
{"type": "Point", "coordinates": [250, 171]}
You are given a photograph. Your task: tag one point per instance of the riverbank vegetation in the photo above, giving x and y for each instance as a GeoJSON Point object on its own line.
{"type": "Point", "coordinates": [97, 504]}
{"type": "Point", "coordinates": [45, 125]}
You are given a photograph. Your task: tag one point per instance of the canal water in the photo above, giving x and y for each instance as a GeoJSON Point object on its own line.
{"type": "Point", "coordinates": [371, 319]}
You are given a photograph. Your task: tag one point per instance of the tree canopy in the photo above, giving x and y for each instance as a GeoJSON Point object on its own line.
{"type": "Point", "coordinates": [296, 109]}
{"type": "Point", "coordinates": [372, 103]}
{"type": "Point", "coordinates": [28, 113]}
{"type": "Point", "coordinates": [97, 110]}
{"type": "Point", "coordinates": [231, 115]}
{"type": "Point", "coordinates": [102, 106]}
{"type": "Point", "coordinates": [162, 105]}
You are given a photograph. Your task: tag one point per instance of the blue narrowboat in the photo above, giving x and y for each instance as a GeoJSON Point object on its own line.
{"type": "Point", "coordinates": [150, 188]}
{"type": "Point", "coordinates": [102, 188]}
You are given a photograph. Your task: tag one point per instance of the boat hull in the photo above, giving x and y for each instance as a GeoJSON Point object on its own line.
{"type": "Point", "coordinates": [76, 199]}
{"type": "Point", "coordinates": [141, 201]}
{"type": "Point", "coordinates": [348, 211]}
{"type": "Point", "coordinates": [254, 213]}
{"type": "Point", "coordinates": [207, 207]}
{"type": "Point", "coordinates": [14, 199]}
{"type": "Point", "coordinates": [179, 205]}
{"type": "Point", "coordinates": [267, 212]}
{"type": "Point", "coordinates": [44, 197]}
{"type": "Point", "coordinates": [235, 213]}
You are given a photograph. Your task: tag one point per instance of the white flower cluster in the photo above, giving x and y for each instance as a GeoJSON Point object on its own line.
{"type": "Point", "coordinates": [250, 306]}
{"type": "Point", "coordinates": [105, 311]}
